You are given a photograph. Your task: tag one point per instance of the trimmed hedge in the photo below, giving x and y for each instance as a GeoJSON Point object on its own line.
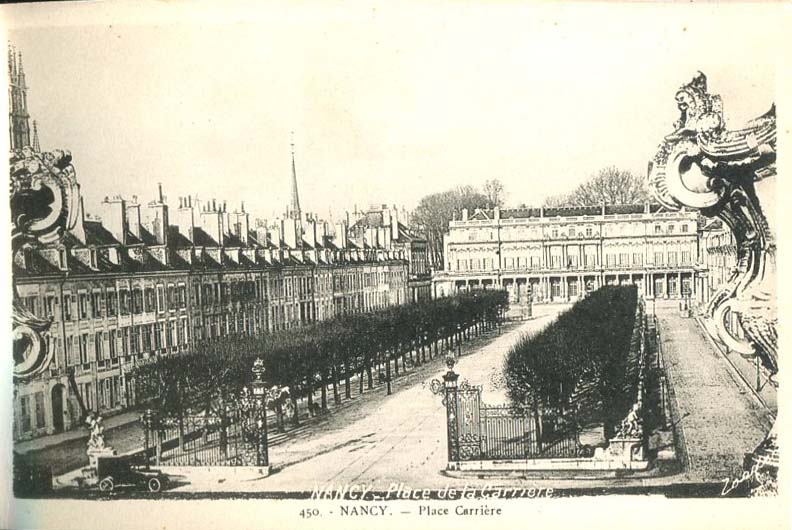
{"type": "Point", "coordinates": [579, 365]}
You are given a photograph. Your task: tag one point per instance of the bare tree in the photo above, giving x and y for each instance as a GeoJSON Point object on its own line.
{"type": "Point", "coordinates": [435, 211]}
{"type": "Point", "coordinates": [493, 189]}
{"type": "Point", "coordinates": [610, 186]}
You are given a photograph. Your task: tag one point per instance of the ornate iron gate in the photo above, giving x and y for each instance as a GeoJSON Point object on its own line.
{"type": "Point", "coordinates": [501, 432]}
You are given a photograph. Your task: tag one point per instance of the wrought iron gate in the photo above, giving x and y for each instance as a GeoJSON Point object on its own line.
{"type": "Point", "coordinates": [502, 432]}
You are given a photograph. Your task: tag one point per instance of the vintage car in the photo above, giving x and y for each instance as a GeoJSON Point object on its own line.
{"type": "Point", "coordinates": [125, 471]}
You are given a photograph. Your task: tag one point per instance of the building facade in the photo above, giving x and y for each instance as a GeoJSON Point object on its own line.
{"type": "Point", "coordinates": [122, 290]}
{"type": "Point", "coordinates": [558, 254]}
{"type": "Point", "coordinates": [381, 226]}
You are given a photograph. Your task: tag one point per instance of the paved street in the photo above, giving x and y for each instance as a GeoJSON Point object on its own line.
{"type": "Point", "coordinates": [718, 419]}
{"type": "Point", "coordinates": [384, 439]}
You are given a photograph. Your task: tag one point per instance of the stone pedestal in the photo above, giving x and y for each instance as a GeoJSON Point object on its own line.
{"type": "Point", "coordinates": [627, 453]}
{"type": "Point", "coordinates": [90, 474]}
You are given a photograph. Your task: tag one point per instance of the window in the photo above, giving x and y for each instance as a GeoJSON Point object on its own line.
{"type": "Point", "coordinates": [98, 346]}
{"type": "Point", "coordinates": [169, 336]}
{"type": "Point", "coordinates": [158, 335]}
{"type": "Point", "coordinates": [589, 231]}
{"type": "Point", "coordinates": [160, 298]}
{"type": "Point", "coordinates": [124, 301]}
{"type": "Point", "coordinates": [112, 303]}
{"type": "Point", "coordinates": [658, 258]}
{"type": "Point", "coordinates": [84, 348]}
{"type": "Point", "coordinates": [151, 300]}
{"type": "Point", "coordinates": [83, 305]}
{"type": "Point", "coordinates": [554, 233]}
{"type": "Point", "coordinates": [111, 343]}
{"type": "Point", "coordinates": [134, 339]}
{"type": "Point", "coordinates": [610, 260]}
{"type": "Point", "coordinates": [685, 257]}
{"type": "Point", "coordinates": [96, 304]}
{"type": "Point", "coordinates": [172, 303]}
{"type": "Point", "coordinates": [70, 360]}
{"type": "Point", "coordinates": [637, 258]}
{"type": "Point", "coordinates": [39, 398]}
{"type": "Point", "coordinates": [180, 332]}
{"type": "Point", "coordinates": [684, 228]}
{"type": "Point", "coordinates": [62, 259]}
{"type": "Point", "coordinates": [658, 229]}
{"type": "Point", "coordinates": [670, 229]}
{"type": "Point", "coordinates": [137, 301]}
{"type": "Point", "coordinates": [67, 307]}
{"type": "Point", "coordinates": [672, 258]}
{"type": "Point", "coordinates": [571, 231]}
{"type": "Point", "coordinates": [146, 328]}
{"type": "Point", "coordinates": [183, 296]}
{"type": "Point", "coordinates": [49, 306]}
{"type": "Point", "coordinates": [24, 406]}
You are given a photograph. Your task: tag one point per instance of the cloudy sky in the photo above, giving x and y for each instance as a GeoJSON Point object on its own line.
{"type": "Point", "coordinates": [386, 103]}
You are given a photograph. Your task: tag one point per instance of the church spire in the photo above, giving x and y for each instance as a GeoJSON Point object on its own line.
{"type": "Point", "coordinates": [36, 146]}
{"type": "Point", "coordinates": [294, 212]}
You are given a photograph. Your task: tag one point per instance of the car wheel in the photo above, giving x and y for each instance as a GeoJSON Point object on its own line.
{"type": "Point", "coordinates": [106, 484]}
{"type": "Point", "coordinates": [154, 485]}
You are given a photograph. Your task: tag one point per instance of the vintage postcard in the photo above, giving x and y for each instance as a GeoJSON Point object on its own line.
{"type": "Point", "coordinates": [415, 264]}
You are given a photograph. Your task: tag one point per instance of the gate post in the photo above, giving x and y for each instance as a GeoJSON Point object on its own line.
{"type": "Point", "coordinates": [451, 402]}
{"type": "Point", "coordinates": [259, 387]}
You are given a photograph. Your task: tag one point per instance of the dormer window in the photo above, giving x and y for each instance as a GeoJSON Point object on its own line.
{"type": "Point", "coordinates": [62, 258]}
{"type": "Point", "coordinates": [94, 260]}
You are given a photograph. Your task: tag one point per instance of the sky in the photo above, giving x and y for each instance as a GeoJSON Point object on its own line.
{"type": "Point", "coordinates": [386, 103]}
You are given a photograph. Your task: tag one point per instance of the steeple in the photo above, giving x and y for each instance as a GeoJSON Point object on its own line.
{"type": "Point", "coordinates": [19, 128]}
{"type": "Point", "coordinates": [294, 211]}
{"type": "Point", "coordinates": [36, 146]}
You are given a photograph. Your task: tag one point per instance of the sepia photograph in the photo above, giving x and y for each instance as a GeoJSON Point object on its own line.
{"type": "Point", "coordinates": [352, 264]}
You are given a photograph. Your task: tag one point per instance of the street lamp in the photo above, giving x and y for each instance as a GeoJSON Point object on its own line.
{"type": "Point", "coordinates": [459, 339]}
{"type": "Point", "coordinates": [259, 390]}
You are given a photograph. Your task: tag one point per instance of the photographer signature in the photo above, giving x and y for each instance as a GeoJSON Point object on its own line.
{"type": "Point", "coordinates": [730, 484]}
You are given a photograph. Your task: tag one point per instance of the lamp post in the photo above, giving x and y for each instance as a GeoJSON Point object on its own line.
{"type": "Point", "coordinates": [459, 339]}
{"type": "Point", "coordinates": [259, 390]}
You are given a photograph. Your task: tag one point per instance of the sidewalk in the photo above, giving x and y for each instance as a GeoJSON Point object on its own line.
{"type": "Point", "coordinates": [746, 369]}
{"type": "Point", "coordinates": [51, 440]}
{"type": "Point", "coordinates": [717, 419]}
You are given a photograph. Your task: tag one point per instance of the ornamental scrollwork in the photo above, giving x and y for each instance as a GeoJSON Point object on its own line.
{"type": "Point", "coordinates": [723, 173]}
{"type": "Point", "coordinates": [726, 173]}
{"type": "Point", "coordinates": [44, 200]}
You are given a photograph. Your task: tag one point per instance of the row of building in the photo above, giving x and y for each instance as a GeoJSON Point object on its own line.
{"type": "Point", "coordinates": [142, 279]}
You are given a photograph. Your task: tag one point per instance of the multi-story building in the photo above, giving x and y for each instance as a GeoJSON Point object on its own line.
{"type": "Point", "coordinates": [558, 254]}
{"type": "Point", "coordinates": [125, 289]}
{"type": "Point", "coordinates": [142, 281]}
{"type": "Point", "coordinates": [381, 226]}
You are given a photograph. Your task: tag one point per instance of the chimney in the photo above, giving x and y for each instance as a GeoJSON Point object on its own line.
{"type": "Point", "coordinates": [394, 224]}
{"type": "Point", "coordinates": [464, 214]}
{"type": "Point", "coordinates": [496, 213]}
{"type": "Point", "coordinates": [114, 217]}
{"type": "Point", "coordinates": [309, 235]}
{"type": "Point", "coordinates": [212, 225]}
{"type": "Point", "coordinates": [289, 231]}
{"type": "Point", "coordinates": [242, 225]}
{"type": "Point", "coordinates": [341, 235]}
{"type": "Point", "coordinates": [133, 217]}
{"type": "Point", "coordinates": [157, 220]}
{"type": "Point", "coordinates": [185, 219]}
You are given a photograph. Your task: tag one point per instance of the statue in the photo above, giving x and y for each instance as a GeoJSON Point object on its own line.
{"type": "Point", "coordinates": [44, 203]}
{"type": "Point", "coordinates": [96, 441]}
{"type": "Point", "coordinates": [727, 173]}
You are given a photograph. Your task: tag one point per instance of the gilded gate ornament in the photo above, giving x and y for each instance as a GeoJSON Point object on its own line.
{"type": "Point", "coordinates": [44, 200]}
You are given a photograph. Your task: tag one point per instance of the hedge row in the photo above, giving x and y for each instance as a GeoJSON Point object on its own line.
{"type": "Point", "coordinates": [579, 365]}
{"type": "Point", "coordinates": [316, 355]}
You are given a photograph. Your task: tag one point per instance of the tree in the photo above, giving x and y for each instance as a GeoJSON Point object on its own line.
{"type": "Point", "coordinates": [435, 211]}
{"type": "Point", "coordinates": [610, 186]}
{"type": "Point", "coordinates": [493, 189]}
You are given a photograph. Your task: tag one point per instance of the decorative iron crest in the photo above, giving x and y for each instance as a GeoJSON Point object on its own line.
{"type": "Point", "coordinates": [44, 200]}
